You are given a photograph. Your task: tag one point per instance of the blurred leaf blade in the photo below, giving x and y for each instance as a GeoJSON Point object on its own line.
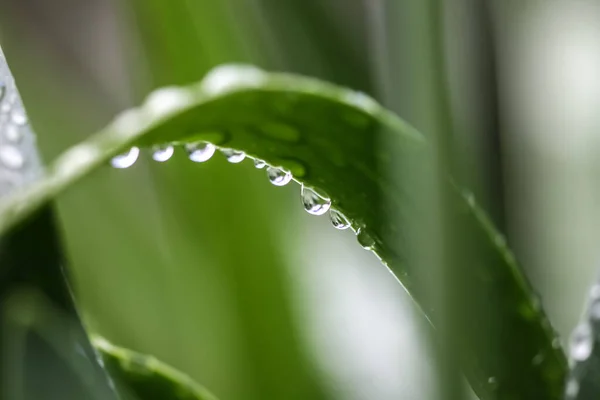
{"type": "Point", "coordinates": [147, 377]}
{"type": "Point", "coordinates": [322, 134]}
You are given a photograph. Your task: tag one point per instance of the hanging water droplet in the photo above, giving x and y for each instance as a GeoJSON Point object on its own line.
{"type": "Point", "coordinates": [13, 133]}
{"type": "Point", "coordinates": [11, 157]}
{"type": "Point", "coordinates": [233, 156]}
{"type": "Point", "coordinates": [127, 159]}
{"type": "Point", "coordinates": [162, 153]}
{"type": "Point", "coordinates": [338, 219]}
{"type": "Point", "coordinates": [260, 164]}
{"type": "Point", "coordinates": [201, 151]}
{"type": "Point", "coordinates": [365, 239]}
{"type": "Point", "coordinates": [581, 343]}
{"type": "Point", "coordinates": [313, 202]}
{"type": "Point", "coordinates": [18, 116]}
{"type": "Point", "coordinates": [278, 176]}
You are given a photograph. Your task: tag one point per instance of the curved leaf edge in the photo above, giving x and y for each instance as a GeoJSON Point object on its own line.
{"type": "Point", "coordinates": [129, 128]}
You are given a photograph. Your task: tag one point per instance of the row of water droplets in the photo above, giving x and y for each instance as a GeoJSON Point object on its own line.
{"type": "Point", "coordinates": [314, 203]}
{"type": "Point", "coordinates": [19, 161]}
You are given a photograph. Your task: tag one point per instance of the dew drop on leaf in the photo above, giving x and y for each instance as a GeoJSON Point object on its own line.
{"type": "Point", "coordinates": [260, 164]}
{"type": "Point", "coordinates": [127, 159]}
{"type": "Point", "coordinates": [162, 153]}
{"type": "Point", "coordinates": [365, 239]}
{"type": "Point", "coordinates": [278, 176]}
{"type": "Point", "coordinates": [200, 152]}
{"type": "Point", "coordinates": [338, 220]}
{"type": "Point", "coordinates": [11, 157]}
{"type": "Point", "coordinates": [581, 342]}
{"type": "Point", "coordinates": [18, 116]}
{"type": "Point", "coordinates": [233, 156]}
{"type": "Point", "coordinates": [313, 202]}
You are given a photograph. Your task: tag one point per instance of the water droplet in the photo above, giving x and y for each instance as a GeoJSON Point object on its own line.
{"type": "Point", "coordinates": [233, 156]}
{"type": "Point", "coordinates": [278, 176]}
{"type": "Point", "coordinates": [338, 219]}
{"type": "Point", "coordinates": [313, 202]}
{"type": "Point", "coordinates": [201, 151]}
{"type": "Point", "coordinates": [18, 116]}
{"type": "Point", "coordinates": [13, 133]}
{"type": "Point", "coordinates": [572, 388]}
{"type": "Point", "coordinates": [11, 157]}
{"type": "Point", "coordinates": [162, 153]}
{"type": "Point", "coordinates": [260, 164]}
{"type": "Point", "coordinates": [127, 159]}
{"type": "Point", "coordinates": [581, 343]}
{"type": "Point", "coordinates": [365, 239]}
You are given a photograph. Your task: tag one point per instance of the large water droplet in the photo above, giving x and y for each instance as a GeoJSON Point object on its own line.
{"type": "Point", "coordinates": [278, 176]}
{"type": "Point", "coordinates": [162, 153]}
{"type": "Point", "coordinates": [233, 156]}
{"type": "Point", "coordinates": [313, 202]}
{"type": "Point", "coordinates": [18, 116]}
{"type": "Point", "coordinates": [338, 219]}
{"type": "Point", "coordinates": [201, 151]}
{"type": "Point", "coordinates": [11, 157]}
{"type": "Point", "coordinates": [365, 239]}
{"type": "Point", "coordinates": [581, 343]}
{"type": "Point", "coordinates": [127, 159]}
{"type": "Point", "coordinates": [260, 164]}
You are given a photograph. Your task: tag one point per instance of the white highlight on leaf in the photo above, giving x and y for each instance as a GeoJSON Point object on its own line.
{"type": "Point", "coordinates": [229, 77]}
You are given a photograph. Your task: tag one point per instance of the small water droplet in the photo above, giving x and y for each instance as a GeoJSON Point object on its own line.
{"type": "Point", "coordinates": [200, 151]}
{"type": "Point", "coordinates": [18, 116]}
{"type": "Point", "coordinates": [127, 159]}
{"type": "Point", "coordinates": [365, 239]}
{"type": "Point", "coordinates": [278, 176]}
{"type": "Point", "coordinates": [572, 388]}
{"type": "Point", "coordinates": [313, 202]}
{"type": "Point", "coordinates": [233, 156]}
{"type": "Point", "coordinates": [13, 133]}
{"type": "Point", "coordinates": [260, 164]}
{"type": "Point", "coordinates": [581, 343]}
{"type": "Point", "coordinates": [162, 153]}
{"type": "Point", "coordinates": [338, 219]}
{"type": "Point", "coordinates": [11, 157]}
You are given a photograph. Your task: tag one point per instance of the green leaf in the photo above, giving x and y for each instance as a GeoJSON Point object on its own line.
{"type": "Point", "coordinates": [344, 144]}
{"type": "Point", "coordinates": [147, 378]}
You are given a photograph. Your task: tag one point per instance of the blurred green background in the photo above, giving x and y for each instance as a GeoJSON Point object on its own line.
{"type": "Point", "coordinates": [224, 276]}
